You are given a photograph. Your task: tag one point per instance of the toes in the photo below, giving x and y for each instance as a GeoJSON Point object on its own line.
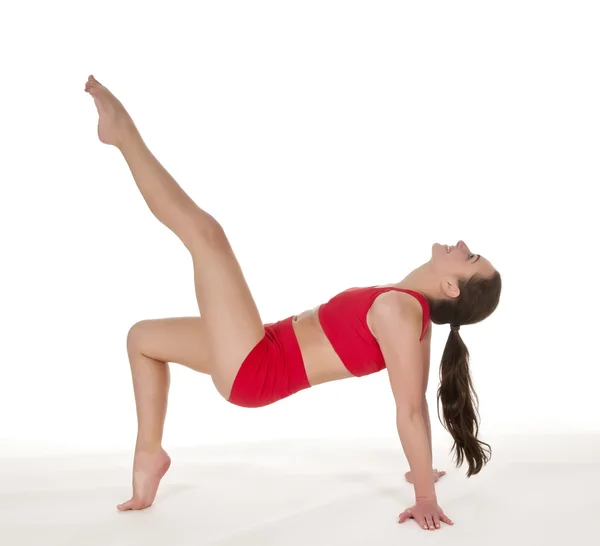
{"type": "Point", "coordinates": [93, 82]}
{"type": "Point", "coordinates": [125, 506]}
{"type": "Point", "coordinates": [133, 504]}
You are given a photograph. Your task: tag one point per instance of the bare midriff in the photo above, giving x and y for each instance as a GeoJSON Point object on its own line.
{"type": "Point", "coordinates": [321, 362]}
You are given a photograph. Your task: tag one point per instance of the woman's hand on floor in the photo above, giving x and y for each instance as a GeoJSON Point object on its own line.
{"type": "Point", "coordinates": [437, 474]}
{"type": "Point", "coordinates": [427, 514]}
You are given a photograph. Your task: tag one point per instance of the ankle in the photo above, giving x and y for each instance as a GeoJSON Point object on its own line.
{"type": "Point", "coordinates": [148, 447]}
{"type": "Point", "coordinates": [129, 139]}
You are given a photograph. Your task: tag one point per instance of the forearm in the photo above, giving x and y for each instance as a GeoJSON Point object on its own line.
{"type": "Point", "coordinates": [414, 439]}
{"type": "Point", "coordinates": [427, 421]}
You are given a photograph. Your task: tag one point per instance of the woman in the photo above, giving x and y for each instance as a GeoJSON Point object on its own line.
{"type": "Point", "coordinates": [358, 332]}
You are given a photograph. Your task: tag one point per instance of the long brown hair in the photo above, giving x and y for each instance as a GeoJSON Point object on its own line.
{"type": "Point", "coordinates": [479, 297]}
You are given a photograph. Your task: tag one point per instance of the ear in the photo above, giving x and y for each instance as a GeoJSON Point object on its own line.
{"type": "Point", "coordinates": [450, 288]}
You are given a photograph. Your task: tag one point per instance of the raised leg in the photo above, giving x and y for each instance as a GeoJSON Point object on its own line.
{"type": "Point", "coordinates": [233, 323]}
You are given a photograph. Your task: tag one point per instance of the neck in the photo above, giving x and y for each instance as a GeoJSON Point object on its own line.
{"type": "Point", "coordinates": [423, 280]}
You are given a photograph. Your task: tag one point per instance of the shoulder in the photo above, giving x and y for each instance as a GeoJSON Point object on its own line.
{"type": "Point", "coordinates": [395, 311]}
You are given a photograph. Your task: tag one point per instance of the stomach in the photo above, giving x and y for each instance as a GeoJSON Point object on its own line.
{"type": "Point", "coordinates": [321, 362]}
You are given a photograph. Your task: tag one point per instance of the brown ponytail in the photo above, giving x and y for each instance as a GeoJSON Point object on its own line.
{"type": "Point", "coordinates": [478, 299]}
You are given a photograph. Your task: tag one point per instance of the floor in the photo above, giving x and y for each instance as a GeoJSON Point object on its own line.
{"type": "Point", "coordinates": [536, 490]}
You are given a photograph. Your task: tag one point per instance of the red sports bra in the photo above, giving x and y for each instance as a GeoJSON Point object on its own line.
{"type": "Point", "coordinates": [344, 321]}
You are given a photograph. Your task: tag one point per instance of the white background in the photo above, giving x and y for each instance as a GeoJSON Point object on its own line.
{"type": "Point", "coordinates": [335, 142]}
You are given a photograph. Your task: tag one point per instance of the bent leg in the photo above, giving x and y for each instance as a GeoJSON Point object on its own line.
{"type": "Point", "coordinates": [181, 340]}
{"type": "Point", "coordinates": [151, 345]}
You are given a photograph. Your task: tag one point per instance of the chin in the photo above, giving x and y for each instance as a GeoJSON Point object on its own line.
{"type": "Point", "coordinates": [438, 252]}
{"type": "Point", "coordinates": [437, 247]}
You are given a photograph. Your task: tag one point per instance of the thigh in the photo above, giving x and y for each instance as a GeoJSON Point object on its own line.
{"type": "Point", "coordinates": [232, 323]}
{"type": "Point", "coordinates": [180, 340]}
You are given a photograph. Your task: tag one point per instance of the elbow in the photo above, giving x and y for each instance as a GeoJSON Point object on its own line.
{"type": "Point", "coordinates": [414, 407]}
{"type": "Point", "coordinates": [409, 412]}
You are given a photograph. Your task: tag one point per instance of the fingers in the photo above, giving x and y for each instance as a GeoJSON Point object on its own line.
{"type": "Point", "coordinates": [430, 522]}
{"type": "Point", "coordinates": [446, 519]}
{"type": "Point", "coordinates": [405, 515]}
{"type": "Point", "coordinates": [437, 474]}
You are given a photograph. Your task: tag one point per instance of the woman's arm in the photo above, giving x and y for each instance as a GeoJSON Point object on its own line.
{"type": "Point", "coordinates": [398, 327]}
{"type": "Point", "coordinates": [426, 359]}
{"type": "Point", "coordinates": [413, 436]}
{"type": "Point", "coordinates": [427, 421]}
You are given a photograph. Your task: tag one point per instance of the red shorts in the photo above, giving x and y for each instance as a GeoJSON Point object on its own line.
{"type": "Point", "coordinates": [273, 369]}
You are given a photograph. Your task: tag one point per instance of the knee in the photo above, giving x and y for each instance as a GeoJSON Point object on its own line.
{"type": "Point", "coordinates": [205, 229]}
{"type": "Point", "coordinates": [135, 335]}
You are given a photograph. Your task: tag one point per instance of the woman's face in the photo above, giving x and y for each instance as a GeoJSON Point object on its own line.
{"type": "Point", "coordinates": [459, 261]}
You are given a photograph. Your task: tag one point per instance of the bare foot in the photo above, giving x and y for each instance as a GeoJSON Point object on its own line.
{"type": "Point", "coordinates": [148, 470]}
{"type": "Point", "coordinates": [437, 474]}
{"type": "Point", "coordinates": [115, 123]}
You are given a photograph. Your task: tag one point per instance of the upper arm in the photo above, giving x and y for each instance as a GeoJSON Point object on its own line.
{"type": "Point", "coordinates": [426, 356]}
{"type": "Point", "coordinates": [398, 329]}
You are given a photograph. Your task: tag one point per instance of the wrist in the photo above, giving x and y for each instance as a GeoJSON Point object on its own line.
{"type": "Point", "coordinates": [423, 498]}
{"type": "Point", "coordinates": [424, 484]}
